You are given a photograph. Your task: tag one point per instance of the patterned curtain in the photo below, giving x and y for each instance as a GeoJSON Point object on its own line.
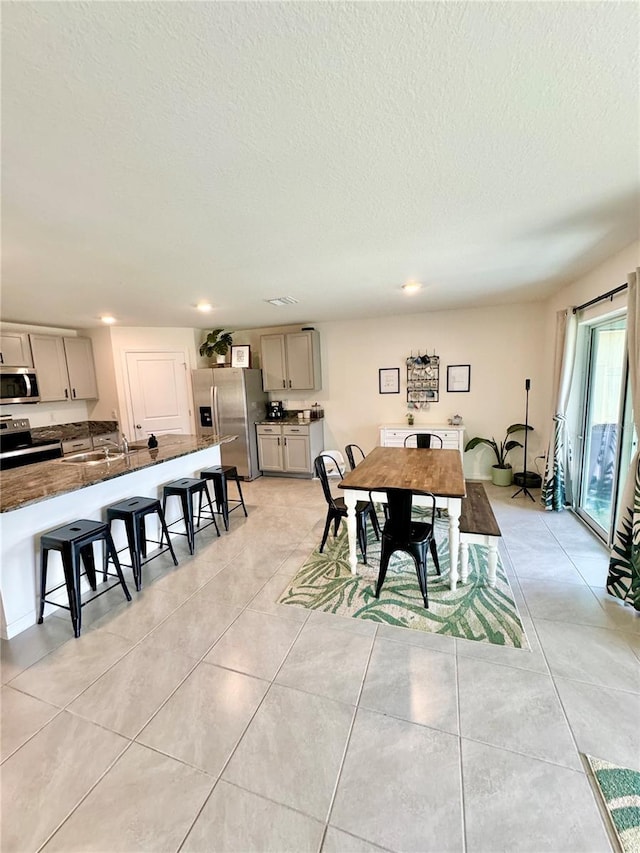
{"type": "Point", "coordinates": [624, 565]}
{"type": "Point", "coordinates": [556, 486]}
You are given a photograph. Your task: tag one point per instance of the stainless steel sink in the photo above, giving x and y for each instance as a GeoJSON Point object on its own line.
{"type": "Point", "coordinates": [94, 457]}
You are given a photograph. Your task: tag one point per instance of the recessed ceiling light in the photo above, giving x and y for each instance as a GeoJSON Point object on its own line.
{"type": "Point", "coordinates": [411, 287]}
{"type": "Point", "coordinates": [108, 319]}
{"type": "Point", "coordinates": [282, 300]}
{"type": "Point", "coordinates": [204, 307]}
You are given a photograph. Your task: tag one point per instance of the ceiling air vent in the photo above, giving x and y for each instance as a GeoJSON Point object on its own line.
{"type": "Point", "coordinates": [282, 300]}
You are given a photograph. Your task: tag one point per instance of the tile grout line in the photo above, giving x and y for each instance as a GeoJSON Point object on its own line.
{"type": "Point", "coordinates": [356, 708]}
{"type": "Point", "coordinates": [244, 731]}
{"type": "Point", "coordinates": [168, 698]}
{"type": "Point", "coordinates": [85, 795]}
{"type": "Point", "coordinates": [463, 811]}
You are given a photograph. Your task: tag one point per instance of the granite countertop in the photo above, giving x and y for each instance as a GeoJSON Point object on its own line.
{"type": "Point", "coordinates": [288, 420]}
{"type": "Point", "coordinates": [32, 483]}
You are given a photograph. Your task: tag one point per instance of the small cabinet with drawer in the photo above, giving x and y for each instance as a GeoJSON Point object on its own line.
{"type": "Point", "coordinates": [393, 435]}
{"type": "Point", "coordinates": [289, 448]}
{"type": "Point", "coordinates": [76, 445]}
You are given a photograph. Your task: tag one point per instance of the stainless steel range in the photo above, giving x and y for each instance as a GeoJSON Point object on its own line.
{"type": "Point", "coordinates": [17, 447]}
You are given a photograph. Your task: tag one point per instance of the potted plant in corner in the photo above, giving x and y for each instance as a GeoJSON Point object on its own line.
{"type": "Point", "coordinates": [502, 472]}
{"type": "Point", "coordinates": [217, 344]}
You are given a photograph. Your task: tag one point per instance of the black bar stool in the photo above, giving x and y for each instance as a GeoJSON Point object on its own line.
{"type": "Point", "coordinates": [185, 489]}
{"type": "Point", "coordinates": [74, 542]}
{"type": "Point", "coordinates": [219, 474]}
{"type": "Point", "coordinates": [133, 512]}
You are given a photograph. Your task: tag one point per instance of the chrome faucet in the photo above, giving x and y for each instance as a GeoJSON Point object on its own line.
{"type": "Point", "coordinates": [123, 447]}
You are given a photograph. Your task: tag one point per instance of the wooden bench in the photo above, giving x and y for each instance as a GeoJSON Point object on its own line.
{"type": "Point", "coordinates": [478, 526]}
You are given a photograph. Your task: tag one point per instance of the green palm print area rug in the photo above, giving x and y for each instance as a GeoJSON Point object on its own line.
{"type": "Point", "coordinates": [475, 611]}
{"type": "Point", "coordinates": [620, 791]}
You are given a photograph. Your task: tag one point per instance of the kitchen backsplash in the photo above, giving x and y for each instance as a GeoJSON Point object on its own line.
{"type": "Point", "coordinates": [79, 429]}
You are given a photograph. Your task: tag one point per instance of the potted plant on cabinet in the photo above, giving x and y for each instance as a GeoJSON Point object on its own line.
{"type": "Point", "coordinates": [217, 344]}
{"type": "Point", "coordinates": [502, 472]}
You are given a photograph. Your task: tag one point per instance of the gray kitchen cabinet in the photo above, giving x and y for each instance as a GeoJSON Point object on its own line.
{"type": "Point", "coordinates": [15, 350]}
{"type": "Point", "coordinates": [51, 367]}
{"type": "Point", "coordinates": [65, 368]}
{"type": "Point", "coordinates": [289, 448]}
{"type": "Point", "coordinates": [270, 448]}
{"type": "Point", "coordinates": [81, 368]}
{"type": "Point", "coordinates": [291, 361]}
{"type": "Point", "coordinates": [297, 449]}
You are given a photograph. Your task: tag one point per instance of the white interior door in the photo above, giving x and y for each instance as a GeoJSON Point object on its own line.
{"type": "Point", "coordinates": [158, 393]}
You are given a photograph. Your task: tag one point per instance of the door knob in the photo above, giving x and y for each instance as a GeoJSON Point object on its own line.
{"type": "Point", "coordinates": [138, 426]}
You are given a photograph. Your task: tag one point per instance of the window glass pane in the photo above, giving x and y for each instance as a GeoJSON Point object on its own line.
{"type": "Point", "coordinates": [602, 429]}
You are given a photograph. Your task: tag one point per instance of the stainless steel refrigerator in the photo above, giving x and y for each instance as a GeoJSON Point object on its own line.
{"type": "Point", "coordinates": [229, 401]}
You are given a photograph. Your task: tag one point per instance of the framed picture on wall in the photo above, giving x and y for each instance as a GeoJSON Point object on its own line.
{"type": "Point", "coordinates": [389, 380]}
{"type": "Point", "coordinates": [458, 378]}
{"type": "Point", "coordinates": [241, 356]}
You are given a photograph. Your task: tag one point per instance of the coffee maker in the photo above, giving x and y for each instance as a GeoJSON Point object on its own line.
{"type": "Point", "coordinates": [275, 411]}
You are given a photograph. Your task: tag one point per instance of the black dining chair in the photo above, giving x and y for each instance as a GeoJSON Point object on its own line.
{"type": "Point", "coordinates": [337, 509]}
{"type": "Point", "coordinates": [424, 440]}
{"type": "Point", "coordinates": [401, 533]}
{"type": "Point", "coordinates": [349, 452]}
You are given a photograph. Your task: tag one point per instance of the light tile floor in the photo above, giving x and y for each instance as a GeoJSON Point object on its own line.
{"type": "Point", "coordinates": [205, 717]}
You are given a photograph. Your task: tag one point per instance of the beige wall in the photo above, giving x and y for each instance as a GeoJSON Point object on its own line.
{"type": "Point", "coordinates": [106, 407]}
{"type": "Point", "coordinates": [502, 345]}
{"type": "Point", "coordinates": [145, 339]}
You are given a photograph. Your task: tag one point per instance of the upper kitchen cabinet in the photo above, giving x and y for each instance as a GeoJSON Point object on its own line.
{"type": "Point", "coordinates": [65, 368]}
{"type": "Point", "coordinates": [81, 368]}
{"type": "Point", "coordinates": [15, 350]}
{"type": "Point", "coordinates": [291, 361]}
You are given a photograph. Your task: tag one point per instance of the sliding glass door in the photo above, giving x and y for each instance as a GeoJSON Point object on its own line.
{"type": "Point", "coordinates": [605, 445]}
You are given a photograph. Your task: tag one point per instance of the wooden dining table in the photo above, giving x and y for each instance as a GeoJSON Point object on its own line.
{"type": "Point", "coordinates": [421, 471]}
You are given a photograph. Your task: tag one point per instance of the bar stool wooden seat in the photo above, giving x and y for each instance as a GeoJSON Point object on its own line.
{"type": "Point", "coordinates": [186, 489]}
{"type": "Point", "coordinates": [75, 543]}
{"type": "Point", "coordinates": [133, 512]}
{"type": "Point", "coordinates": [219, 475]}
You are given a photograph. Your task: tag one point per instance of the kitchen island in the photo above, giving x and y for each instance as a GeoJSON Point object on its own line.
{"type": "Point", "coordinates": [37, 498]}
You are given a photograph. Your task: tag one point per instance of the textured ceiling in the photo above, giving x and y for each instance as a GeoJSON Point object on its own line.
{"type": "Point", "coordinates": [156, 154]}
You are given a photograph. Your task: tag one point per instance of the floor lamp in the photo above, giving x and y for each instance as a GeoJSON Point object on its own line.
{"type": "Point", "coordinates": [523, 479]}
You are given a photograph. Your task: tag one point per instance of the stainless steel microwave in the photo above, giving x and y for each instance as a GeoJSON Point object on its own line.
{"type": "Point", "coordinates": [18, 385]}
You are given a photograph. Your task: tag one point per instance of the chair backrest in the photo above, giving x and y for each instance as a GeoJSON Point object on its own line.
{"type": "Point", "coordinates": [349, 451]}
{"type": "Point", "coordinates": [399, 503]}
{"type": "Point", "coordinates": [320, 466]}
{"type": "Point", "coordinates": [334, 464]}
{"type": "Point", "coordinates": [424, 440]}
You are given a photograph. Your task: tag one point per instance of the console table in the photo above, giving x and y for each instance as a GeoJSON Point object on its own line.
{"type": "Point", "coordinates": [393, 435]}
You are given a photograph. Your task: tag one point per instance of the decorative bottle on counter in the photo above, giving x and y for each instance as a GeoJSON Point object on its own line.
{"type": "Point", "coordinates": [153, 442]}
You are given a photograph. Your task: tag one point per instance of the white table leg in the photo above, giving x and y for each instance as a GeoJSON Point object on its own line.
{"type": "Point", "coordinates": [454, 507]}
{"type": "Point", "coordinates": [493, 560]}
{"type": "Point", "coordinates": [464, 561]}
{"type": "Point", "coordinates": [350, 499]}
